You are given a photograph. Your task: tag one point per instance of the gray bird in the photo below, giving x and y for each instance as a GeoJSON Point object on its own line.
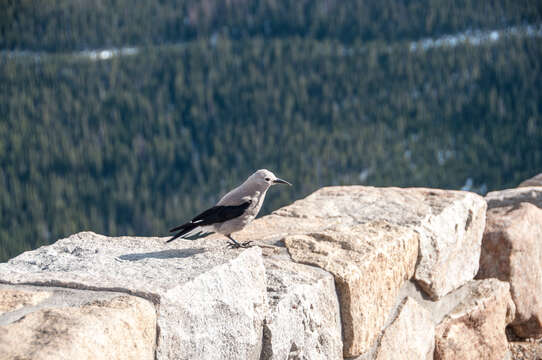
{"type": "Point", "coordinates": [234, 211]}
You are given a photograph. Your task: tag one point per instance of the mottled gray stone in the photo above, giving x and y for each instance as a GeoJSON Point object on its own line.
{"type": "Point", "coordinates": [370, 262]}
{"type": "Point", "coordinates": [450, 225]}
{"type": "Point", "coordinates": [303, 321]}
{"type": "Point", "coordinates": [475, 328]}
{"type": "Point", "coordinates": [534, 181]}
{"type": "Point", "coordinates": [211, 300]}
{"type": "Point", "coordinates": [512, 197]}
{"type": "Point", "coordinates": [512, 252]}
{"type": "Point", "coordinates": [411, 335]}
{"type": "Point", "coordinates": [45, 323]}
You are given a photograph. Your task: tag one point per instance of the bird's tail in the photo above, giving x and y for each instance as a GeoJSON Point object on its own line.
{"type": "Point", "coordinates": [184, 229]}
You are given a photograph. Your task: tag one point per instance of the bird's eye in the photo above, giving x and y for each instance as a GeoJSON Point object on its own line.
{"type": "Point", "coordinates": [267, 179]}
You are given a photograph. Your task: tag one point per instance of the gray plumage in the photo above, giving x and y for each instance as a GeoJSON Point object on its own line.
{"type": "Point", "coordinates": [234, 211]}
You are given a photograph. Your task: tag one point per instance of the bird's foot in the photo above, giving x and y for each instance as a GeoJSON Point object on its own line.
{"type": "Point", "coordinates": [236, 245]}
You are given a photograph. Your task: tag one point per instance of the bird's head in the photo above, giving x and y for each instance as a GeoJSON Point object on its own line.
{"type": "Point", "coordinates": [266, 178]}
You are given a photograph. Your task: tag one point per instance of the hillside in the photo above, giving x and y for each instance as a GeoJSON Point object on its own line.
{"type": "Point", "coordinates": [66, 25]}
{"type": "Point", "coordinates": [136, 143]}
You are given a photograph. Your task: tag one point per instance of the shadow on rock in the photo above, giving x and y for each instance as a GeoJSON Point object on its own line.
{"type": "Point", "coordinates": [165, 254]}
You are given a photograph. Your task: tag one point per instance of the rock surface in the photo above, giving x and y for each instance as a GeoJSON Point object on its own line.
{"type": "Point", "coordinates": [475, 329]}
{"type": "Point", "coordinates": [526, 350]}
{"type": "Point", "coordinates": [437, 310]}
{"type": "Point", "coordinates": [450, 240]}
{"type": "Point", "coordinates": [534, 181]}
{"type": "Point", "coordinates": [411, 334]}
{"type": "Point", "coordinates": [12, 299]}
{"type": "Point", "coordinates": [303, 321]}
{"type": "Point", "coordinates": [450, 224]}
{"type": "Point", "coordinates": [74, 324]}
{"type": "Point", "coordinates": [512, 251]}
{"type": "Point", "coordinates": [510, 197]}
{"type": "Point", "coordinates": [211, 301]}
{"type": "Point", "coordinates": [370, 263]}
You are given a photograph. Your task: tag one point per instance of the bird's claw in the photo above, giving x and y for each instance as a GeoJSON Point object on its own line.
{"type": "Point", "coordinates": [235, 245]}
{"type": "Point", "coordinates": [232, 245]}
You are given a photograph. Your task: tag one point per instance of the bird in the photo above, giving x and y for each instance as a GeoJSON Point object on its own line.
{"type": "Point", "coordinates": [233, 212]}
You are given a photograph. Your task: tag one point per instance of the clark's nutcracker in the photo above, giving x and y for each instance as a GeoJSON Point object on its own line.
{"type": "Point", "coordinates": [234, 211]}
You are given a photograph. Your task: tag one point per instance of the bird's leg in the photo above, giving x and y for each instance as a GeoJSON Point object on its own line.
{"type": "Point", "coordinates": [235, 245]}
{"type": "Point", "coordinates": [232, 243]}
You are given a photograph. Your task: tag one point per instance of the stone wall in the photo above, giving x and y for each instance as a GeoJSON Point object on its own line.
{"type": "Point", "coordinates": [348, 272]}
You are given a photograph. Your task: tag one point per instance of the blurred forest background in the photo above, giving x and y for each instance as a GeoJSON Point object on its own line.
{"type": "Point", "coordinates": [126, 117]}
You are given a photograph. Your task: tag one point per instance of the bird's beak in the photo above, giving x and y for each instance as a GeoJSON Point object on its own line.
{"type": "Point", "coordinates": [280, 181]}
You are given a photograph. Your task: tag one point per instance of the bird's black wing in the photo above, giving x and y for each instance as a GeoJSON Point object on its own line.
{"type": "Point", "coordinates": [214, 215]}
{"type": "Point", "coordinates": [221, 213]}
